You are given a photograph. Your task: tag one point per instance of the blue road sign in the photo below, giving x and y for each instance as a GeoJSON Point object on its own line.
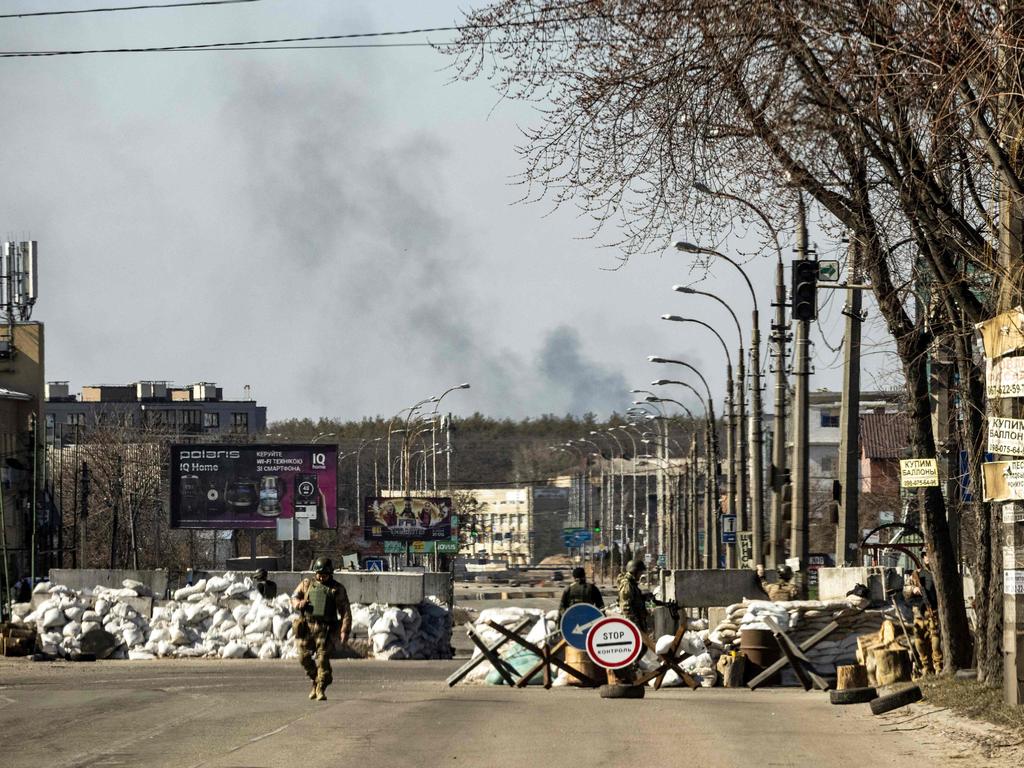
{"type": "Point", "coordinates": [576, 623]}
{"type": "Point", "coordinates": [728, 529]}
{"type": "Point", "coordinates": [374, 564]}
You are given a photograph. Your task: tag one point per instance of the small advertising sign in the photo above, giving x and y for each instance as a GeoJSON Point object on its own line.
{"type": "Point", "coordinates": [1006, 436]}
{"type": "Point", "coordinates": [919, 473]}
{"type": "Point", "coordinates": [1003, 480]}
{"type": "Point", "coordinates": [1013, 582]}
{"type": "Point", "coordinates": [1004, 377]}
{"type": "Point", "coordinates": [408, 518]}
{"type": "Point", "coordinates": [1003, 333]}
{"type": "Point", "coordinates": [252, 486]}
{"type": "Point", "coordinates": [728, 529]}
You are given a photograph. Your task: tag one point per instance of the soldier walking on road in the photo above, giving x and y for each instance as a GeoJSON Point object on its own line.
{"type": "Point", "coordinates": [632, 602]}
{"type": "Point", "coordinates": [781, 590]}
{"type": "Point", "coordinates": [580, 592]}
{"type": "Point", "coordinates": [324, 614]}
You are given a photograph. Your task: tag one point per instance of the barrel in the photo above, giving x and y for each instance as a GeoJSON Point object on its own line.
{"type": "Point", "coordinates": [762, 650]}
{"type": "Point", "coordinates": [580, 661]}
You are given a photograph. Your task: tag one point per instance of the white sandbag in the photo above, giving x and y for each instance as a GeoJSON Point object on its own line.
{"type": "Point", "coordinates": [160, 635]}
{"type": "Point", "coordinates": [74, 613]}
{"type": "Point", "coordinates": [217, 584]}
{"type": "Point", "coordinates": [41, 587]}
{"type": "Point", "coordinates": [234, 650]}
{"type": "Point", "coordinates": [280, 627]}
{"type": "Point", "coordinates": [139, 654]}
{"type": "Point", "coordinates": [185, 592]}
{"type": "Point", "coordinates": [89, 626]}
{"type": "Point", "coordinates": [259, 626]}
{"type": "Point", "coordinates": [178, 636]}
{"type": "Point", "coordinates": [72, 629]}
{"type": "Point", "coordinates": [268, 650]}
{"type": "Point", "coordinates": [133, 637]}
{"type": "Point", "coordinates": [53, 618]}
{"type": "Point", "coordinates": [239, 612]}
{"type": "Point", "coordinates": [236, 589]}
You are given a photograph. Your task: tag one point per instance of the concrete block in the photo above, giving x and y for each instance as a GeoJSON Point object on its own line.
{"type": "Point", "coordinates": [701, 588]}
{"type": "Point", "coordinates": [834, 583]}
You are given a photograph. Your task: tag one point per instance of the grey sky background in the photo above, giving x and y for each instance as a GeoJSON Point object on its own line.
{"type": "Point", "coordinates": [334, 228]}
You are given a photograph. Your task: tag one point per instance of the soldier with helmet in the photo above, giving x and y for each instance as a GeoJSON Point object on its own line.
{"type": "Point", "coordinates": [324, 614]}
{"type": "Point", "coordinates": [781, 590]}
{"type": "Point", "coordinates": [632, 602]}
{"type": "Point", "coordinates": [580, 592]}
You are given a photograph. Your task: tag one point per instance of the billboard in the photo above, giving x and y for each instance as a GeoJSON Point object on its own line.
{"type": "Point", "coordinates": [253, 486]}
{"type": "Point", "coordinates": [408, 518]}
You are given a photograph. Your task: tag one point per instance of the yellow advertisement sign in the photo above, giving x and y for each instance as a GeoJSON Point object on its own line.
{"type": "Point", "coordinates": [919, 473]}
{"type": "Point", "coordinates": [1003, 333]}
{"type": "Point", "coordinates": [1003, 480]}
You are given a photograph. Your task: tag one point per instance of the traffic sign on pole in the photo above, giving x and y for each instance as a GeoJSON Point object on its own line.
{"type": "Point", "coordinates": [614, 643]}
{"type": "Point", "coordinates": [577, 622]}
{"type": "Point", "coordinates": [828, 271]}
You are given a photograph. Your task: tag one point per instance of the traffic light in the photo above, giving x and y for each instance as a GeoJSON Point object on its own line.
{"type": "Point", "coordinates": [597, 527]}
{"type": "Point", "coordinates": [805, 289]}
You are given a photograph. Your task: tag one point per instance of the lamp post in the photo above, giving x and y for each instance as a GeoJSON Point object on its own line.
{"type": "Point", "coordinates": [632, 443]}
{"type": "Point", "coordinates": [711, 497]}
{"type": "Point", "coordinates": [437, 404]}
{"type": "Point", "coordinates": [736, 444]}
{"type": "Point", "coordinates": [622, 498]}
{"type": "Point", "coordinates": [605, 505]}
{"type": "Point", "coordinates": [757, 415]}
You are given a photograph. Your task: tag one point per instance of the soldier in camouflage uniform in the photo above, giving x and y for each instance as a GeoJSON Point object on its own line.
{"type": "Point", "coordinates": [631, 598]}
{"type": "Point", "coordinates": [324, 614]}
{"type": "Point", "coordinates": [580, 592]}
{"type": "Point", "coordinates": [781, 590]}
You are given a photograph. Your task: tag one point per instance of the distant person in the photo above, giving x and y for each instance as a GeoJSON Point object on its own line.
{"type": "Point", "coordinates": [782, 590]}
{"type": "Point", "coordinates": [324, 613]}
{"type": "Point", "coordinates": [266, 587]}
{"type": "Point", "coordinates": [632, 602]}
{"type": "Point", "coordinates": [580, 592]}
{"type": "Point", "coordinates": [927, 603]}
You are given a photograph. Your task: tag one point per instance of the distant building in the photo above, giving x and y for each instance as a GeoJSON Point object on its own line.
{"type": "Point", "coordinates": [519, 526]}
{"type": "Point", "coordinates": [196, 409]}
{"type": "Point", "coordinates": [884, 440]}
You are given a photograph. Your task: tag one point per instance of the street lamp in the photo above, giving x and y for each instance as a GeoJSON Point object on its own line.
{"type": "Point", "coordinates": [448, 437]}
{"type": "Point", "coordinates": [756, 425]}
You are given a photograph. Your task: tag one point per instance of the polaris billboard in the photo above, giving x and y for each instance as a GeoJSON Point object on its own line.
{"type": "Point", "coordinates": [253, 486]}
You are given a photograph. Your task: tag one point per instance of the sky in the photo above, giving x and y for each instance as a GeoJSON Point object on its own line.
{"type": "Point", "coordinates": [337, 229]}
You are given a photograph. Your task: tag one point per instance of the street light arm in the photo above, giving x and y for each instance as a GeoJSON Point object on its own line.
{"type": "Point", "coordinates": [656, 359]}
{"type": "Point", "coordinates": [686, 247]}
{"type": "Point", "coordinates": [678, 319]}
{"type": "Point", "coordinates": [688, 290]}
{"type": "Point", "coordinates": [703, 188]}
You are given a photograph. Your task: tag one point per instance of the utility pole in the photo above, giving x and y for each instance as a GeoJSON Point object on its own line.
{"type": "Point", "coordinates": [756, 443]}
{"type": "Point", "coordinates": [849, 420]}
{"type": "Point", "coordinates": [780, 333]}
{"type": "Point", "coordinates": [691, 493]}
{"type": "Point", "coordinates": [730, 463]}
{"type": "Point", "coordinates": [801, 436]}
{"type": "Point", "coordinates": [743, 451]}
{"type": "Point", "coordinates": [711, 537]}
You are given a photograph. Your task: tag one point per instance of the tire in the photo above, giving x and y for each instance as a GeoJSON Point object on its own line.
{"type": "Point", "coordinates": [622, 691]}
{"type": "Point", "coordinates": [884, 704]}
{"type": "Point", "coordinates": [82, 657]}
{"type": "Point", "coordinates": [853, 696]}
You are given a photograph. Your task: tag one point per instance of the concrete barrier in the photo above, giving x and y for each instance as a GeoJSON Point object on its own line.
{"type": "Point", "coordinates": [395, 588]}
{"type": "Point", "coordinates": [834, 583]}
{"type": "Point", "coordinates": [701, 588]}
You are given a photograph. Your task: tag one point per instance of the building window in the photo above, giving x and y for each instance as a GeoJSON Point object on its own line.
{"type": "Point", "coordinates": [191, 416]}
{"type": "Point", "coordinates": [830, 419]}
{"type": "Point", "coordinates": [240, 422]}
{"type": "Point", "coordinates": [211, 420]}
{"type": "Point", "coordinates": [828, 465]}
{"type": "Point", "coordinates": [77, 419]}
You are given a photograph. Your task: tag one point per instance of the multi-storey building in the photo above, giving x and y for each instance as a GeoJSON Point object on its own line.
{"type": "Point", "coordinates": [196, 409]}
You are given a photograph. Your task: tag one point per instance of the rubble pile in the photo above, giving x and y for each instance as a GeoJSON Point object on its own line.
{"type": "Point", "coordinates": [801, 619]}
{"type": "Point", "coordinates": [223, 616]}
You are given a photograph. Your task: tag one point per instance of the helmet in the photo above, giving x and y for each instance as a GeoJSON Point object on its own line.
{"type": "Point", "coordinates": [785, 572]}
{"type": "Point", "coordinates": [261, 574]}
{"type": "Point", "coordinates": [579, 573]}
{"type": "Point", "coordinates": [323, 565]}
{"type": "Point", "coordinates": [636, 566]}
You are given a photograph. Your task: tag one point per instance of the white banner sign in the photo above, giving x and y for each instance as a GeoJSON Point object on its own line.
{"type": "Point", "coordinates": [1006, 436]}
{"type": "Point", "coordinates": [1004, 377]}
{"type": "Point", "coordinates": [919, 473]}
{"type": "Point", "coordinates": [1013, 582]}
{"type": "Point", "coordinates": [1003, 481]}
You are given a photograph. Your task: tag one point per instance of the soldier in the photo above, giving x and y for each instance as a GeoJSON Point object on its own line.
{"type": "Point", "coordinates": [923, 641]}
{"type": "Point", "coordinates": [631, 599]}
{"type": "Point", "coordinates": [266, 587]}
{"type": "Point", "coordinates": [580, 592]}
{"type": "Point", "coordinates": [783, 589]}
{"type": "Point", "coordinates": [324, 613]}
{"type": "Point", "coordinates": [927, 598]}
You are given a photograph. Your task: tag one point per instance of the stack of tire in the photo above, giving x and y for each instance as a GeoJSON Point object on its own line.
{"type": "Point", "coordinates": [879, 704]}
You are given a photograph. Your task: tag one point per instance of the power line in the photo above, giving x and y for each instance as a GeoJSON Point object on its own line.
{"type": "Point", "coordinates": [256, 44]}
{"type": "Point", "coordinates": [123, 8]}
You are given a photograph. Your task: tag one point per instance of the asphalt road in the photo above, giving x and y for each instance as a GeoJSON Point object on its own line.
{"type": "Point", "coordinates": [249, 713]}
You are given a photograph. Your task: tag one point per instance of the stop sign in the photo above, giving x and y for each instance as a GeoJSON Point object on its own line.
{"type": "Point", "coordinates": [614, 643]}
